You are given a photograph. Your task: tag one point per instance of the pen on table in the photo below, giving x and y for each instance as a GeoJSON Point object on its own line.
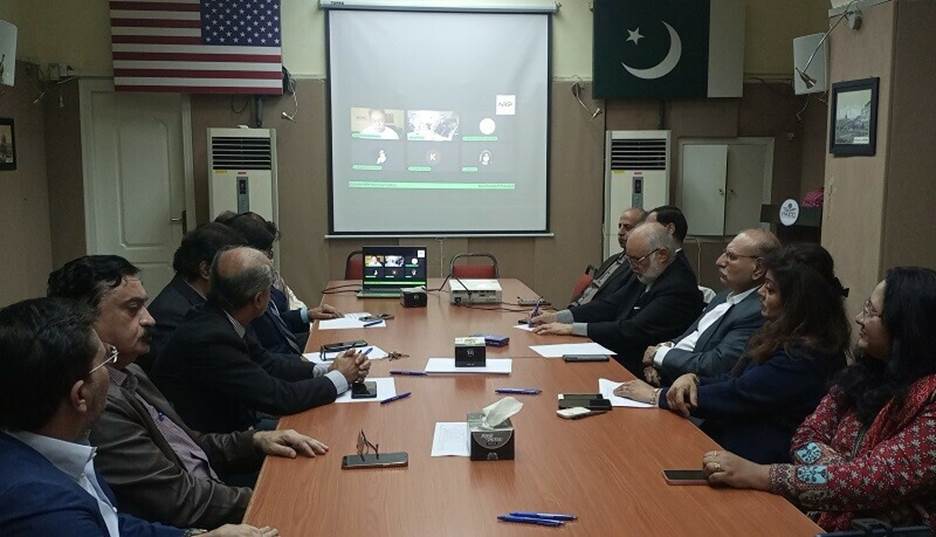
{"type": "Point", "coordinates": [547, 516]}
{"type": "Point", "coordinates": [403, 395]}
{"type": "Point", "coordinates": [535, 311]}
{"type": "Point", "coordinates": [366, 352]}
{"type": "Point", "coordinates": [408, 372]}
{"type": "Point", "coordinates": [519, 391]}
{"type": "Point", "coordinates": [372, 323]}
{"type": "Point", "coordinates": [530, 520]}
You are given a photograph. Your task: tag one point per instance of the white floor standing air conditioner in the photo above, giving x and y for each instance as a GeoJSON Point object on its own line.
{"type": "Point", "coordinates": [636, 175]}
{"type": "Point", "coordinates": [242, 168]}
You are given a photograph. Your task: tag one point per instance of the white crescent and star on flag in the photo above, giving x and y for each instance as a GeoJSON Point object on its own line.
{"type": "Point", "coordinates": [667, 64]}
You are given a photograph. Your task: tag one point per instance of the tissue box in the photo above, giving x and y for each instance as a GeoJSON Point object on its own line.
{"type": "Point", "coordinates": [490, 444]}
{"type": "Point", "coordinates": [469, 352]}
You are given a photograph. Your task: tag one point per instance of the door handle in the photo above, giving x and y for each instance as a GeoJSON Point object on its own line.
{"type": "Point", "coordinates": [721, 191]}
{"type": "Point", "coordinates": [180, 220]}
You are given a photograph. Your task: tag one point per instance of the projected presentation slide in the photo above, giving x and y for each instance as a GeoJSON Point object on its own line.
{"type": "Point", "coordinates": [439, 122]}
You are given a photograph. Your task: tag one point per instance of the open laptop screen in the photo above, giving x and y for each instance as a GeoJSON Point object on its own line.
{"type": "Point", "coordinates": [394, 267]}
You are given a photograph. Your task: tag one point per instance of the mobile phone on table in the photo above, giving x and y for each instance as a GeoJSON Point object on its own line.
{"type": "Point", "coordinates": [577, 412]}
{"type": "Point", "coordinates": [586, 357]}
{"type": "Point", "coordinates": [343, 345]}
{"type": "Point", "coordinates": [685, 477]}
{"type": "Point", "coordinates": [370, 460]}
{"type": "Point", "coordinates": [364, 390]}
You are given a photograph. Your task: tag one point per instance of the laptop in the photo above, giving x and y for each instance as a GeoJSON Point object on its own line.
{"type": "Point", "coordinates": [388, 269]}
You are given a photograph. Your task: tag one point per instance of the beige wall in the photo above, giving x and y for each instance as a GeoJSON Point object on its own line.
{"type": "Point", "coordinates": [24, 203]}
{"type": "Point", "coordinates": [82, 34]}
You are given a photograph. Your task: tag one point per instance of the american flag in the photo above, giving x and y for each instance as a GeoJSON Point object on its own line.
{"type": "Point", "coordinates": [197, 46]}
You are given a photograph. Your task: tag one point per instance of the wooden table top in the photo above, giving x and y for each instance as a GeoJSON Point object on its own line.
{"type": "Point", "coordinates": [606, 469]}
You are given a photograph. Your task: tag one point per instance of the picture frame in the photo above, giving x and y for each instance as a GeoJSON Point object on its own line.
{"type": "Point", "coordinates": [853, 124]}
{"type": "Point", "coordinates": [7, 144]}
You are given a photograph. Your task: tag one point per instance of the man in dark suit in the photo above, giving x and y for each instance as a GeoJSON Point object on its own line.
{"type": "Point", "coordinates": [189, 287]}
{"type": "Point", "coordinates": [160, 469]}
{"type": "Point", "coordinates": [55, 384]}
{"type": "Point", "coordinates": [716, 340]}
{"type": "Point", "coordinates": [629, 320]}
{"type": "Point", "coordinates": [614, 272]}
{"type": "Point", "coordinates": [218, 376]}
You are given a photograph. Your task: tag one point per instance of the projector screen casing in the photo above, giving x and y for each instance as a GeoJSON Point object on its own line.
{"type": "Point", "coordinates": [405, 211]}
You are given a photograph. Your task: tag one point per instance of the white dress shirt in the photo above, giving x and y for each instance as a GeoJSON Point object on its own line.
{"type": "Point", "coordinates": [77, 462]}
{"type": "Point", "coordinates": [688, 343]}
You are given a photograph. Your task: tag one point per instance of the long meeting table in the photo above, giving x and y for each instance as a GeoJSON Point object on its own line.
{"type": "Point", "coordinates": [606, 469]}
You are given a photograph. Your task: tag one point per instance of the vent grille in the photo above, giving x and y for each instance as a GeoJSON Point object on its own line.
{"type": "Point", "coordinates": [237, 153]}
{"type": "Point", "coordinates": [638, 154]}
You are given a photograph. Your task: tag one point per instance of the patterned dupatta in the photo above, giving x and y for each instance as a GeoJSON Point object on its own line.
{"type": "Point", "coordinates": [889, 421]}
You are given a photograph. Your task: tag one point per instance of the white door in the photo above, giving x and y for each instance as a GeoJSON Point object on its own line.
{"type": "Point", "coordinates": [750, 176]}
{"type": "Point", "coordinates": [703, 169]}
{"type": "Point", "coordinates": [137, 176]}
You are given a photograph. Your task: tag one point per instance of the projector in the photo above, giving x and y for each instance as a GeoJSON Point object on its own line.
{"type": "Point", "coordinates": [475, 292]}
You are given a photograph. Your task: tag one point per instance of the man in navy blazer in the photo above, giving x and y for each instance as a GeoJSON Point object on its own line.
{"type": "Point", "coordinates": [614, 272]}
{"type": "Point", "coordinates": [717, 339]}
{"type": "Point", "coordinates": [55, 385]}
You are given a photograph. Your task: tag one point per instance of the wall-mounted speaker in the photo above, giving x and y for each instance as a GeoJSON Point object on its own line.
{"type": "Point", "coordinates": [7, 53]}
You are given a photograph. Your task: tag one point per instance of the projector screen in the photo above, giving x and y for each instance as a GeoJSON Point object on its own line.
{"type": "Point", "coordinates": [438, 122]}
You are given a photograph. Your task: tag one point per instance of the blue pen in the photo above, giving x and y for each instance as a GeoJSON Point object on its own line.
{"type": "Point", "coordinates": [408, 372]}
{"type": "Point", "coordinates": [535, 311]}
{"type": "Point", "coordinates": [546, 516]}
{"type": "Point", "coordinates": [403, 395]}
{"type": "Point", "coordinates": [519, 391]}
{"type": "Point", "coordinates": [530, 520]}
{"type": "Point", "coordinates": [372, 323]}
{"type": "Point", "coordinates": [365, 353]}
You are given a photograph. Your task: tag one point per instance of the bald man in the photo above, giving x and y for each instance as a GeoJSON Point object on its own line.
{"type": "Point", "coordinates": [614, 272]}
{"type": "Point", "coordinates": [218, 376]}
{"type": "Point", "coordinates": [638, 315]}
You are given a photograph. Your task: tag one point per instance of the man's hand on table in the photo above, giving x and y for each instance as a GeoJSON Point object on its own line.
{"type": "Point", "coordinates": [288, 443]}
{"type": "Point", "coordinates": [553, 329]}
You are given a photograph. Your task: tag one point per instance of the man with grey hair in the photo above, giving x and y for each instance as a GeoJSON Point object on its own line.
{"type": "Point", "coordinates": [635, 317]}
{"type": "Point", "coordinates": [614, 272]}
{"type": "Point", "coordinates": [218, 376]}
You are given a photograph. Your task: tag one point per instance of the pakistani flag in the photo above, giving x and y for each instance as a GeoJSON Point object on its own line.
{"type": "Point", "coordinates": [668, 48]}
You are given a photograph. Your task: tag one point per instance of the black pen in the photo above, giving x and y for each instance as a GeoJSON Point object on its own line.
{"type": "Point", "coordinates": [403, 395]}
{"type": "Point", "coordinates": [372, 323]}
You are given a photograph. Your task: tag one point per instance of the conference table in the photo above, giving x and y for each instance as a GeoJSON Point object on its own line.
{"type": "Point", "coordinates": [606, 469]}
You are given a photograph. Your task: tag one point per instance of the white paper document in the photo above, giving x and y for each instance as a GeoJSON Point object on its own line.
{"type": "Point", "coordinates": [556, 351]}
{"type": "Point", "coordinates": [606, 389]}
{"type": "Point", "coordinates": [498, 366]}
{"type": "Point", "coordinates": [350, 320]}
{"type": "Point", "coordinates": [450, 439]}
{"type": "Point", "coordinates": [386, 389]}
{"type": "Point", "coordinates": [524, 327]}
{"type": "Point", "coordinates": [316, 357]}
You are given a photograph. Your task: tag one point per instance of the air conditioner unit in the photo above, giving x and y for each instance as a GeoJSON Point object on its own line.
{"type": "Point", "coordinates": [636, 175]}
{"type": "Point", "coordinates": [242, 167]}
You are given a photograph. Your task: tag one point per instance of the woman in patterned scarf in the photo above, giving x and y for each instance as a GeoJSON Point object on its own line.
{"type": "Point", "coordinates": [869, 449]}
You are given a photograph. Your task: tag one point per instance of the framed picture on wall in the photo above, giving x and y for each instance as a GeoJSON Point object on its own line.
{"type": "Point", "coordinates": [7, 144]}
{"type": "Point", "coordinates": [854, 117]}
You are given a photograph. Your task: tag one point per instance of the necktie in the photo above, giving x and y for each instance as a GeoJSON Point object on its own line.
{"type": "Point", "coordinates": [284, 330]}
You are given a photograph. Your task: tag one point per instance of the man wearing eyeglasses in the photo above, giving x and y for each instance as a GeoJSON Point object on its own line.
{"type": "Point", "coordinates": [160, 469]}
{"type": "Point", "coordinates": [55, 384]}
{"type": "Point", "coordinates": [637, 316]}
{"type": "Point", "coordinates": [716, 340]}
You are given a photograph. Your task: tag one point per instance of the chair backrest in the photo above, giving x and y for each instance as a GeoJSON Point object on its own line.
{"type": "Point", "coordinates": [354, 266]}
{"type": "Point", "coordinates": [707, 294]}
{"type": "Point", "coordinates": [474, 271]}
{"type": "Point", "coordinates": [581, 284]}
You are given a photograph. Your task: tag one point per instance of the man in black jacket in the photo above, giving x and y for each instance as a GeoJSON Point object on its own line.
{"type": "Point", "coordinates": [218, 376]}
{"type": "Point", "coordinates": [637, 316]}
{"type": "Point", "coordinates": [614, 272]}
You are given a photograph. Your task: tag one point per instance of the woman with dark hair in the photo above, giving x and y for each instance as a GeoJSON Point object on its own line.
{"type": "Point", "coordinates": [869, 449]}
{"type": "Point", "coordinates": [786, 368]}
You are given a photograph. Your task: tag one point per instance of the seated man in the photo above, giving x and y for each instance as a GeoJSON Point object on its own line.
{"type": "Point", "coordinates": [279, 330]}
{"type": "Point", "coordinates": [614, 271]}
{"type": "Point", "coordinates": [54, 387]}
{"type": "Point", "coordinates": [636, 316]}
{"type": "Point", "coordinates": [713, 344]}
{"type": "Point", "coordinates": [160, 469]}
{"type": "Point", "coordinates": [218, 376]}
{"type": "Point", "coordinates": [673, 219]}
{"type": "Point", "coordinates": [189, 287]}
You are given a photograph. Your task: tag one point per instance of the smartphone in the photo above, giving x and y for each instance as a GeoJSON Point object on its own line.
{"type": "Point", "coordinates": [577, 412]}
{"type": "Point", "coordinates": [383, 460]}
{"type": "Point", "coordinates": [685, 477]}
{"type": "Point", "coordinates": [343, 345]}
{"type": "Point", "coordinates": [364, 390]}
{"type": "Point", "coordinates": [378, 317]}
{"type": "Point", "coordinates": [586, 357]}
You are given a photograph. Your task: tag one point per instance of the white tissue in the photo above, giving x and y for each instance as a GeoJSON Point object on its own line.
{"type": "Point", "coordinates": [495, 413]}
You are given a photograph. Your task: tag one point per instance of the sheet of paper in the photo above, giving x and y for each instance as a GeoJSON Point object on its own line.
{"type": "Point", "coordinates": [450, 439]}
{"type": "Point", "coordinates": [524, 327]}
{"type": "Point", "coordinates": [386, 389]}
{"type": "Point", "coordinates": [499, 366]}
{"type": "Point", "coordinates": [350, 320]}
{"type": "Point", "coordinates": [316, 357]}
{"type": "Point", "coordinates": [606, 389]}
{"type": "Point", "coordinates": [556, 351]}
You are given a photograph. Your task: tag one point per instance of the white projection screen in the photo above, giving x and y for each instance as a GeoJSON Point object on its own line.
{"type": "Point", "coordinates": [439, 122]}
